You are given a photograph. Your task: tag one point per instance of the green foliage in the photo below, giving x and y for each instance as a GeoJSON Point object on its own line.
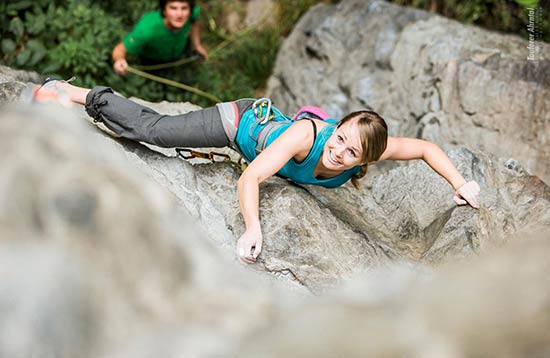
{"type": "Point", "coordinates": [290, 11]}
{"type": "Point", "coordinates": [60, 38]}
{"type": "Point", "coordinates": [129, 11]}
{"type": "Point", "coordinates": [238, 70]}
{"type": "Point", "coordinates": [528, 3]}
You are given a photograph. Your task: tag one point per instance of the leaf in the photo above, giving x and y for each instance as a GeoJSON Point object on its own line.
{"type": "Point", "coordinates": [37, 56]}
{"type": "Point", "coordinates": [8, 46]}
{"type": "Point", "coordinates": [19, 5]}
{"type": "Point", "coordinates": [35, 24]}
{"type": "Point", "coordinates": [52, 67]}
{"type": "Point", "coordinates": [38, 51]}
{"type": "Point", "coordinates": [34, 44]}
{"type": "Point", "coordinates": [16, 27]}
{"type": "Point", "coordinates": [23, 57]}
{"type": "Point", "coordinates": [529, 4]}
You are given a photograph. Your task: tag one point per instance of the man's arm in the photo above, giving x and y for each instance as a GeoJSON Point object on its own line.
{"type": "Point", "coordinates": [196, 40]}
{"type": "Point", "coordinates": [119, 59]}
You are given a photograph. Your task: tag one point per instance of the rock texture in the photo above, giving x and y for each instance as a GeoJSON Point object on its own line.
{"type": "Point", "coordinates": [110, 248]}
{"type": "Point", "coordinates": [495, 305]}
{"type": "Point", "coordinates": [429, 77]}
{"type": "Point", "coordinates": [13, 82]}
{"type": "Point", "coordinates": [100, 260]}
{"type": "Point", "coordinates": [97, 258]}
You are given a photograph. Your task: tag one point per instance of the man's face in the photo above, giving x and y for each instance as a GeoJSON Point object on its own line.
{"type": "Point", "coordinates": [176, 14]}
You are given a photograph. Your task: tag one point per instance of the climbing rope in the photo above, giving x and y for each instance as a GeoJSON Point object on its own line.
{"type": "Point", "coordinates": [140, 70]}
{"type": "Point", "coordinates": [173, 83]}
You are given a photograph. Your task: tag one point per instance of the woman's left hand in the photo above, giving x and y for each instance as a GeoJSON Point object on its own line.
{"type": "Point", "coordinates": [468, 193]}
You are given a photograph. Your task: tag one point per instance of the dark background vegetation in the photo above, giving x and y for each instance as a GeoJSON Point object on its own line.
{"type": "Point", "coordinates": [75, 37]}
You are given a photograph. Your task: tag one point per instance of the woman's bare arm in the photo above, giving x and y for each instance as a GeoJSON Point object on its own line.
{"type": "Point", "coordinates": [399, 148]}
{"type": "Point", "coordinates": [296, 139]}
{"type": "Point", "coordinates": [411, 148]}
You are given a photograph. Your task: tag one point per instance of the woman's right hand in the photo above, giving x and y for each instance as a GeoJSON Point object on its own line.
{"type": "Point", "coordinates": [249, 246]}
{"type": "Point", "coordinates": [120, 66]}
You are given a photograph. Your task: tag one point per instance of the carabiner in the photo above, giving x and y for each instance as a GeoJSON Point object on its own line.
{"type": "Point", "coordinates": [259, 104]}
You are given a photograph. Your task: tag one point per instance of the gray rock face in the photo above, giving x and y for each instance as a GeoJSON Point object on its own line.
{"type": "Point", "coordinates": [110, 248]}
{"type": "Point", "coordinates": [96, 258]}
{"type": "Point", "coordinates": [316, 237]}
{"type": "Point", "coordinates": [493, 305]}
{"type": "Point", "coordinates": [13, 82]}
{"type": "Point", "coordinates": [100, 260]}
{"type": "Point", "coordinates": [428, 76]}
{"type": "Point", "coordinates": [410, 209]}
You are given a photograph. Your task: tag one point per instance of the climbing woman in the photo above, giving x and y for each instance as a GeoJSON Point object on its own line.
{"type": "Point", "coordinates": [307, 151]}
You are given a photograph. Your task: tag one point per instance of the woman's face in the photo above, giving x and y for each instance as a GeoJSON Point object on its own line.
{"type": "Point", "coordinates": [343, 149]}
{"type": "Point", "coordinates": [176, 14]}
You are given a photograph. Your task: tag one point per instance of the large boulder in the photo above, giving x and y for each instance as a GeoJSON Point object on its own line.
{"type": "Point", "coordinates": [112, 248]}
{"type": "Point", "coordinates": [317, 237]}
{"type": "Point", "coordinates": [428, 76]}
{"type": "Point", "coordinates": [97, 258]}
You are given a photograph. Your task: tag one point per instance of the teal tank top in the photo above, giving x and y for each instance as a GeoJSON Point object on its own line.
{"type": "Point", "coordinates": [252, 137]}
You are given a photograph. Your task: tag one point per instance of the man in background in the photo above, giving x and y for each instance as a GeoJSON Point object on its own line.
{"type": "Point", "coordinates": [161, 36]}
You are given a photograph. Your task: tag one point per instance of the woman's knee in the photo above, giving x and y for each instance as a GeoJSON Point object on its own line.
{"type": "Point", "coordinates": [94, 102]}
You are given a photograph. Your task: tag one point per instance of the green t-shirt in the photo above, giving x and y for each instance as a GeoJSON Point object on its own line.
{"type": "Point", "coordinates": [150, 39]}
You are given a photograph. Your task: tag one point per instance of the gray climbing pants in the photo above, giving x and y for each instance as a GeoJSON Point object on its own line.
{"type": "Point", "coordinates": [209, 127]}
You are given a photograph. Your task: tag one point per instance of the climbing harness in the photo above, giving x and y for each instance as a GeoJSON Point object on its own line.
{"type": "Point", "coordinates": [186, 154]}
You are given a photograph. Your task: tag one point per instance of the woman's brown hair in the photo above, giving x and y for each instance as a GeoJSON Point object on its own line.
{"type": "Point", "coordinates": [373, 131]}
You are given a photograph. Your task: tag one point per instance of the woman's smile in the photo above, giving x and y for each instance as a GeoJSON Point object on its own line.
{"type": "Point", "coordinates": [332, 158]}
{"type": "Point", "coordinates": [343, 149]}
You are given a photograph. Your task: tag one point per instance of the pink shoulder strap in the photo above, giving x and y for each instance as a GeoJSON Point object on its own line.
{"type": "Point", "coordinates": [316, 111]}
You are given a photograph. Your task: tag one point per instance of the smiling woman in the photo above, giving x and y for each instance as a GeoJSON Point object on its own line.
{"type": "Point", "coordinates": [308, 151]}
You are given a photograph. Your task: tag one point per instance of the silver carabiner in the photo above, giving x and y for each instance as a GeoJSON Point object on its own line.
{"type": "Point", "coordinates": [259, 103]}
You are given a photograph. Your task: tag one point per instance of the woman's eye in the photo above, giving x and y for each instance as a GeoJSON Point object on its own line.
{"type": "Point", "coordinates": [339, 138]}
{"type": "Point", "coordinates": [352, 153]}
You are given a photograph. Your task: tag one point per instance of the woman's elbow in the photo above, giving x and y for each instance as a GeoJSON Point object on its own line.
{"type": "Point", "coordinates": [247, 178]}
{"type": "Point", "coordinates": [430, 149]}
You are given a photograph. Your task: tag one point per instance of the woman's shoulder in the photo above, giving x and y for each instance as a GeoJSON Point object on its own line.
{"type": "Point", "coordinates": [306, 123]}
{"type": "Point", "coordinates": [305, 135]}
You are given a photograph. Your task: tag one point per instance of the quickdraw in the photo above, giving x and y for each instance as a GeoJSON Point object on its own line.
{"type": "Point", "coordinates": [187, 154]}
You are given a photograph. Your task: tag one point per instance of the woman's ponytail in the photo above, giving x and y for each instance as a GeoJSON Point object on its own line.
{"type": "Point", "coordinates": [355, 178]}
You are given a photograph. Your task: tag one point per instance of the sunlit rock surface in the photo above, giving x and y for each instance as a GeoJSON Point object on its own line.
{"type": "Point", "coordinates": [97, 257]}
{"type": "Point", "coordinates": [428, 76]}
{"type": "Point", "coordinates": [109, 248]}
{"type": "Point", "coordinates": [494, 305]}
